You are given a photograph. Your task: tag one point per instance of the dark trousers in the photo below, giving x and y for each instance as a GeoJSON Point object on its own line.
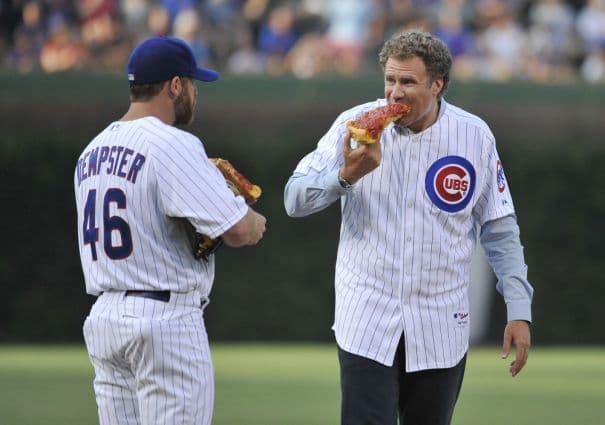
{"type": "Point", "coordinates": [374, 394]}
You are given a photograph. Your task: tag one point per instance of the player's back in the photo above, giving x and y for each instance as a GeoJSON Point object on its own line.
{"type": "Point", "coordinates": [126, 238]}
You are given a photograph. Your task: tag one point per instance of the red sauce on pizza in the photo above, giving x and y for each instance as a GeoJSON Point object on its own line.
{"type": "Point", "coordinates": [374, 120]}
{"type": "Point", "coordinates": [239, 184]}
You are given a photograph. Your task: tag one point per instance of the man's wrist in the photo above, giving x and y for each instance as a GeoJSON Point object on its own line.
{"type": "Point", "coordinates": [344, 183]}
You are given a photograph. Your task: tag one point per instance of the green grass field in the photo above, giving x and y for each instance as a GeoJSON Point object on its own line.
{"type": "Point", "coordinates": [298, 385]}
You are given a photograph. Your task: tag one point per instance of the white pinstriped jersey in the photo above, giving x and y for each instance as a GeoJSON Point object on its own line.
{"type": "Point", "coordinates": [137, 185]}
{"type": "Point", "coordinates": [407, 235]}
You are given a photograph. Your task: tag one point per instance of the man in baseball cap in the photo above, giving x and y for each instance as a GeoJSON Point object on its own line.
{"type": "Point", "coordinates": [150, 187]}
{"type": "Point", "coordinates": [161, 74]}
{"type": "Point", "coordinates": [161, 58]}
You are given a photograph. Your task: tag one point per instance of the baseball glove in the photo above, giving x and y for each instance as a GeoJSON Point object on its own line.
{"type": "Point", "coordinates": [203, 245]}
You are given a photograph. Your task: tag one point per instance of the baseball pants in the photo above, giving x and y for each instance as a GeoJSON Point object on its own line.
{"type": "Point", "coordinates": [151, 360]}
{"type": "Point", "coordinates": [375, 394]}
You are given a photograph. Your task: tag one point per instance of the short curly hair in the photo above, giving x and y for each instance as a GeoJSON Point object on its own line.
{"type": "Point", "coordinates": [417, 43]}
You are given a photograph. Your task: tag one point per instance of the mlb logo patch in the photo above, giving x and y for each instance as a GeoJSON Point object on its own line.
{"type": "Point", "coordinates": [450, 183]}
{"type": "Point", "coordinates": [461, 318]}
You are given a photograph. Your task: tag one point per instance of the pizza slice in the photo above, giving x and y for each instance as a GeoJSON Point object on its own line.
{"type": "Point", "coordinates": [236, 181]}
{"type": "Point", "coordinates": [367, 128]}
{"type": "Point", "coordinates": [203, 245]}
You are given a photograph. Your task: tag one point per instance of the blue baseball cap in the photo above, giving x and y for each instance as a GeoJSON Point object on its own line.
{"type": "Point", "coordinates": [161, 58]}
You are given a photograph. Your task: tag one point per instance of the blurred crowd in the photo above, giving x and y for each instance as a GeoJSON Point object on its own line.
{"type": "Point", "coordinates": [544, 40]}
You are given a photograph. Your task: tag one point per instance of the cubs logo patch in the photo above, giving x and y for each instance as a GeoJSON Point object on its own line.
{"type": "Point", "coordinates": [500, 179]}
{"type": "Point", "coordinates": [450, 183]}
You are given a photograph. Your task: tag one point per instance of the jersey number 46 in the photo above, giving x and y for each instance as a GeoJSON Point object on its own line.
{"type": "Point", "coordinates": [111, 224]}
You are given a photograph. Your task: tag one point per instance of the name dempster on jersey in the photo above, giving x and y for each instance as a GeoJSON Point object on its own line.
{"type": "Point", "coordinates": [110, 160]}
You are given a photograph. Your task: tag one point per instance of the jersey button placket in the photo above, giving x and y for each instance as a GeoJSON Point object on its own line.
{"type": "Point", "coordinates": [411, 187]}
{"type": "Point", "coordinates": [414, 187]}
{"type": "Point", "coordinates": [408, 194]}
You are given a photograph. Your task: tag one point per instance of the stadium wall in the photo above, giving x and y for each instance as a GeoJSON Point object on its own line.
{"type": "Point", "coordinates": [550, 139]}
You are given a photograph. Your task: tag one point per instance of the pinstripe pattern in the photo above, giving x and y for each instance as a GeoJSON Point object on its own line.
{"type": "Point", "coordinates": [176, 181]}
{"type": "Point", "coordinates": [146, 181]}
{"type": "Point", "coordinates": [123, 334]}
{"type": "Point", "coordinates": [403, 263]}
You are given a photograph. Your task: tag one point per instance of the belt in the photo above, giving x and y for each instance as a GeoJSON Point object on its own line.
{"type": "Point", "coordinates": [163, 296]}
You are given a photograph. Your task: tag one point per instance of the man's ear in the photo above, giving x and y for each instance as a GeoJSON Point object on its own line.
{"type": "Point", "coordinates": [437, 86]}
{"type": "Point", "coordinates": [175, 86]}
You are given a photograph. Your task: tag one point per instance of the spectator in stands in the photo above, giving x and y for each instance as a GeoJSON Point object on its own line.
{"type": "Point", "coordinates": [593, 66]}
{"type": "Point", "coordinates": [457, 36]}
{"type": "Point", "coordinates": [463, 8]}
{"type": "Point", "coordinates": [245, 58]}
{"type": "Point", "coordinates": [60, 11]}
{"type": "Point", "coordinates": [452, 30]}
{"type": "Point", "coordinates": [222, 12]}
{"type": "Point", "coordinates": [310, 58]}
{"type": "Point", "coordinates": [590, 24]}
{"type": "Point", "coordinates": [63, 50]}
{"type": "Point", "coordinates": [310, 17]}
{"type": "Point", "coordinates": [276, 37]}
{"type": "Point", "coordinates": [188, 27]}
{"type": "Point", "coordinates": [175, 6]}
{"type": "Point", "coordinates": [226, 23]}
{"type": "Point", "coordinates": [24, 54]}
{"type": "Point", "coordinates": [395, 14]}
{"type": "Point", "coordinates": [501, 42]}
{"type": "Point", "coordinates": [135, 15]}
{"type": "Point", "coordinates": [158, 23]}
{"type": "Point", "coordinates": [254, 13]}
{"type": "Point", "coordinates": [348, 29]}
{"type": "Point", "coordinates": [551, 40]}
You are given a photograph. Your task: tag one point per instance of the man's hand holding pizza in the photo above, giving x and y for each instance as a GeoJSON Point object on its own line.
{"type": "Point", "coordinates": [359, 161]}
{"type": "Point", "coordinates": [366, 130]}
{"type": "Point", "coordinates": [249, 230]}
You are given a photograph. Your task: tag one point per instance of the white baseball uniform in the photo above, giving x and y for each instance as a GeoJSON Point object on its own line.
{"type": "Point", "coordinates": [138, 185]}
{"type": "Point", "coordinates": [407, 236]}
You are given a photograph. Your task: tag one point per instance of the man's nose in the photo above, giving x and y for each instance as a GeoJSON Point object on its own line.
{"type": "Point", "coordinates": [398, 91]}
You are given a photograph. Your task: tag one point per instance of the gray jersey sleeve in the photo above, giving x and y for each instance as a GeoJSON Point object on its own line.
{"type": "Point", "coordinates": [308, 194]}
{"type": "Point", "coordinates": [314, 184]}
{"type": "Point", "coordinates": [502, 245]}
